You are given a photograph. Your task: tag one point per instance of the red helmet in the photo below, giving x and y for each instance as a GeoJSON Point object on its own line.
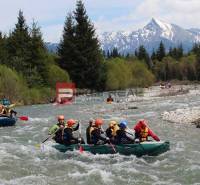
{"type": "Point", "coordinates": [71, 122]}
{"type": "Point", "coordinates": [98, 122]}
{"type": "Point", "coordinates": [61, 117]}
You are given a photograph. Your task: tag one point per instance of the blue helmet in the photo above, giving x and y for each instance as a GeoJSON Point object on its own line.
{"type": "Point", "coordinates": [123, 124]}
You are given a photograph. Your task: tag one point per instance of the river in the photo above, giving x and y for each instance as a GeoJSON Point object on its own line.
{"type": "Point", "coordinates": [22, 163]}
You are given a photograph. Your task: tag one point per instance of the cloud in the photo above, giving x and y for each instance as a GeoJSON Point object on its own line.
{"type": "Point", "coordinates": [107, 15]}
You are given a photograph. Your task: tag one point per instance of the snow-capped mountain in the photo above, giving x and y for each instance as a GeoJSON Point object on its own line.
{"type": "Point", "coordinates": [150, 36]}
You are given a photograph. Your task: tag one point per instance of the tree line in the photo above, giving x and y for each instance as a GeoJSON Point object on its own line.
{"type": "Point", "coordinates": [29, 72]}
{"type": "Point", "coordinates": [166, 65]}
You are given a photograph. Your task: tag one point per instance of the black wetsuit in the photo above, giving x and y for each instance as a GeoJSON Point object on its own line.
{"type": "Point", "coordinates": [59, 136]}
{"type": "Point", "coordinates": [122, 138]}
{"type": "Point", "coordinates": [97, 138]}
{"type": "Point", "coordinates": [68, 137]}
{"type": "Point", "coordinates": [109, 132]}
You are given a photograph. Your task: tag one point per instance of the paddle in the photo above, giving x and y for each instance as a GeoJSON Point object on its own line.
{"type": "Point", "coordinates": [50, 136]}
{"type": "Point", "coordinates": [23, 118]}
{"type": "Point", "coordinates": [80, 138]}
{"type": "Point", "coordinates": [109, 141]}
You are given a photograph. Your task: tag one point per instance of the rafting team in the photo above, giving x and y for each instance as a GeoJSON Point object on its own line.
{"type": "Point", "coordinates": [63, 133]}
{"type": "Point", "coordinates": [7, 111]}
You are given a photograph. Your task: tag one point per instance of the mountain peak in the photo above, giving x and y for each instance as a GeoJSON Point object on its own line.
{"type": "Point", "coordinates": [159, 24]}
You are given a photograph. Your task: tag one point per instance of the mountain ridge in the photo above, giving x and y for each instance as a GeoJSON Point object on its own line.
{"type": "Point", "coordinates": [149, 36]}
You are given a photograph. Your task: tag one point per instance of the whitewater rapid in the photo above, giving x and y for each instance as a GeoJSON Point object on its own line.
{"type": "Point", "coordinates": [22, 163]}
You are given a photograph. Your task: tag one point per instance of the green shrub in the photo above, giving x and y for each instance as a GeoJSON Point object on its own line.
{"type": "Point", "coordinates": [122, 74]}
{"type": "Point", "coordinates": [56, 74]}
{"type": "Point", "coordinates": [12, 85]}
{"type": "Point", "coordinates": [141, 76]}
{"type": "Point", "coordinates": [118, 74]}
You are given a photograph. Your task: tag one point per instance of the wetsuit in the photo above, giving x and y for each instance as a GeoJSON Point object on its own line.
{"type": "Point", "coordinates": [122, 138]}
{"type": "Point", "coordinates": [109, 132]}
{"type": "Point", "coordinates": [97, 138]}
{"type": "Point", "coordinates": [58, 133]}
{"type": "Point", "coordinates": [68, 137]}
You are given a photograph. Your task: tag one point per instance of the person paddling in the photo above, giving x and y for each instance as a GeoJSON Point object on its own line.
{"type": "Point", "coordinates": [57, 129]}
{"type": "Point", "coordinates": [6, 111]}
{"type": "Point", "coordinates": [89, 129]}
{"type": "Point", "coordinates": [68, 137]}
{"type": "Point", "coordinates": [111, 131]}
{"type": "Point", "coordinates": [109, 99]}
{"type": "Point", "coordinates": [142, 131]}
{"type": "Point", "coordinates": [121, 134]}
{"type": "Point", "coordinates": [2, 110]}
{"type": "Point", "coordinates": [97, 136]}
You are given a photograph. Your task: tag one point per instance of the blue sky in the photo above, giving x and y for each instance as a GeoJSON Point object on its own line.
{"type": "Point", "coordinates": [107, 15]}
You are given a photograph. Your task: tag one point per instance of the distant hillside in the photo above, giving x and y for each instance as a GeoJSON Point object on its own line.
{"type": "Point", "coordinates": [52, 47]}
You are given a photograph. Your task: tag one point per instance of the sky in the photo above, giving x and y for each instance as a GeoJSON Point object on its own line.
{"type": "Point", "coordinates": [106, 15]}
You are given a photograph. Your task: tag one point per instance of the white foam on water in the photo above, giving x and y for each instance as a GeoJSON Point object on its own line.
{"type": "Point", "coordinates": [193, 168]}
{"type": "Point", "coordinates": [186, 115]}
{"type": "Point", "coordinates": [104, 175]}
{"type": "Point", "coordinates": [180, 147]}
{"type": "Point", "coordinates": [41, 120]}
{"type": "Point", "coordinates": [28, 180]}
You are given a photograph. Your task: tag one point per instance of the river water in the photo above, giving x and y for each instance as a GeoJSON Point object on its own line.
{"type": "Point", "coordinates": [22, 163]}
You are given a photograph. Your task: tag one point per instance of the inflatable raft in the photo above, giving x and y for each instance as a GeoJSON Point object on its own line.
{"type": "Point", "coordinates": [146, 148]}
{"type": "Point", "coordinates": [7, 121]}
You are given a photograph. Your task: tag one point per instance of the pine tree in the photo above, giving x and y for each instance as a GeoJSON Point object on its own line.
{"type": "Point", "coordinates": [136, 52]}
{"type": "Point", "coordinates": [179, 52]}
{"type": "Point", "coordinates": [3, 50]}
{"type": "Point", "coordinates": [108, 54]}
{"type": "Point", "coordinates": [18, 44]}
{"type": "Point", "coordinates": [85, 71]}
{"type": "Point", "coordinates": [196, 49]}
{"type": "Point", "coordinates": [153, 55]}
{"type": "Point", "coordinates": [66, 49]}
{"type": "Point", "coordinates": [161, 52]}
{"type": "Point", "coordinates": [37, 58]}
{"type": "Point", "coordinates": [170, 52]}
{"type": "Point", "coordinates": [127, 56]}
{"type": "Point", "coordinates": [143, 55]}
{"type": "Point", "coordinates": [115, 53]}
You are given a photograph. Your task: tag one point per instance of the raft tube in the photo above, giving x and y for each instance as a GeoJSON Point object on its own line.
{"type": "Point", "coordinates": [7, 121]}
{"type": "Point", "coordinates": [139, 149]}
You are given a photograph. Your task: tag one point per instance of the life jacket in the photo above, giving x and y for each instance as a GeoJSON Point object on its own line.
{"type": "Point", "coordinates": [144, 134]}
{"type": "Point", "coordinates": [88, 134]}
{"type": "Point", "coordinates": [90, 131]}
{"type": "Point", "coordinates": [114, 130]}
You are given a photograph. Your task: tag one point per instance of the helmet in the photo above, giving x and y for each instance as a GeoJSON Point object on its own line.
{"type": "Point", "coordinates": [123, 124]}
{"type": "Point", "coordinates": [61, 117]}
{"type": "Point", "coordinates": [112, 123]}
{"type": "Point", "coordinates": [98, 122]}
{"type": "Point", "coordinates": [71, 122]}
{"type": "Point", "coordinates": [91, 120]}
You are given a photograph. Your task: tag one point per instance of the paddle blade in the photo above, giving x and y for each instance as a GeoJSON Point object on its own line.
{"type": "Point", "coordinates": [81, 149]}
{"type": "Point", "coordinates": [23, 118]}
{"type": "Point", "coordinates": [37, 145]}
